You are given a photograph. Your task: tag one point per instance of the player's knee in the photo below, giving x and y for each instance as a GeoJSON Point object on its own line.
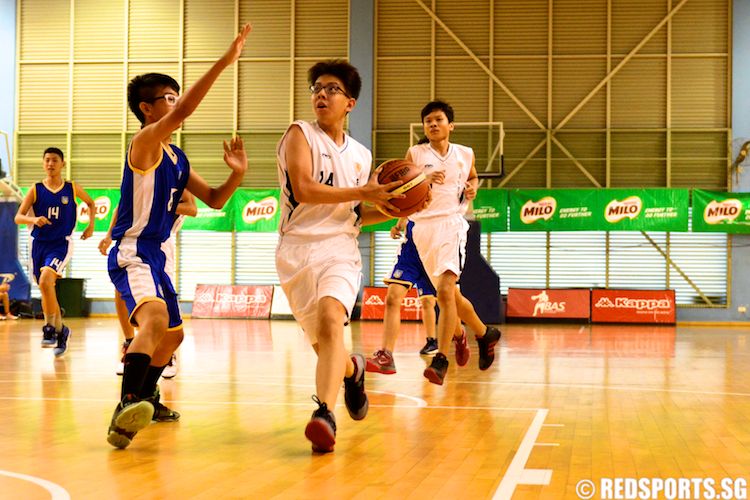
{"type": "Point", "coordinates": [393, 300]}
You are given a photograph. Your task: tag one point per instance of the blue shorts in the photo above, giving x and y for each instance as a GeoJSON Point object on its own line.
{"type": "Point", "coordinates": [50, 254]}
{"type": "Point", "coordinates": [408, 269]}
{"type": "Point", "coordinates": [136, 268]}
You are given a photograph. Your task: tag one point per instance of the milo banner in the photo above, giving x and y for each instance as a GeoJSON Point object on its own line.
{"type": "Point", "coordinates": [106, 201]}
{"type": "Point", "coordinates": [644, 209]}
{"type": "Point", "coordinates": [209, 219]}
{"type": "Point", "coordinates": [599, 209]}
{"type": "Point", "coordinates": [715, 211]}
{"type": "Point", "coordinates": [490, 209]}
{"type": "Point", "coordinates": [256, 210]}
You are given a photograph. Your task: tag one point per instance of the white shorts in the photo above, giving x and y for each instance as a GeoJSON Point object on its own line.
{"type": "Point", "coordinates": [169, 247]}
{"type": "Point", "coordinates": [441, 244]}
{"type": "Point", "coordinates": [309, 271]}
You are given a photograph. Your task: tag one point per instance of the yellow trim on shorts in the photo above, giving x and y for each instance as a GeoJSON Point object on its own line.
{"type": "Point", "coordinates": [139, 304]}
{"type": "Point", "coordinates": [388, 281]}
{"type": "Point", "coordinates": [174, 328]}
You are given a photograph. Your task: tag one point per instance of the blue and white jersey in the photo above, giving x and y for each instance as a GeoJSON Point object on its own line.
{"type": "Point", "coordinates": [59, 206]}
{"type": "Point", "coordinates": [149, 198]}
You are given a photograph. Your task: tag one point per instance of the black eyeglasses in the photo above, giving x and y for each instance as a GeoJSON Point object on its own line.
{"type": "Point", "coordinates": [170, 98]}
{"type": "Point", "coordinates": [330, 88]}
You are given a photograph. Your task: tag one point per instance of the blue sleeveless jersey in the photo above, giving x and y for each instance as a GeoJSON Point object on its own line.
{"type": "Point", "coordinates": [59, 207]}
{"type": "Point", "coordinates": [148, 199]}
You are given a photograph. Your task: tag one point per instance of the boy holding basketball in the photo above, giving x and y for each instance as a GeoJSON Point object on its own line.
{"type": "Point", "coordinates": [155, 175]}
{"type": "Point", "coordinates": [324, 176]}
{"type": "Point", "coordinates": [440, 236]}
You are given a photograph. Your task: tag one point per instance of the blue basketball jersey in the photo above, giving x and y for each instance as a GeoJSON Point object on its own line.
{"type": "Point", "coordinates": [148, 199]}
{"type": "Point", "coordinates": [59, 207]}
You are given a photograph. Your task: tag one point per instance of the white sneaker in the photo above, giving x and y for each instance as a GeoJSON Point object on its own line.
{"type": "Point", "coordinates": [171, 369]}
{"type": "Point", "coordinates": [10, 316]}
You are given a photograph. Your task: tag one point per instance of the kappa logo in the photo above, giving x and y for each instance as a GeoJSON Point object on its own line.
{"type": "Point", "coordinates": [532, 211]}
{"type": "Point", "coordinates": [205, 297]}
{"type": "Point", "coordinates": [103, 206]}
{"type": "Point", "coordinates": [263, 209]}
{"type": "Point", "coordinates": [617, 210]}
{"type": "Point", "coordinates": [374, 300]}
{"type": "Point", "coordinates": [638, 304]}
{"type": "Point", "coordinates": [241, 298]}
{"type": "Point", "coordinates": [410, 302]}
{"type": "Point", "coordinates": [717, 211]}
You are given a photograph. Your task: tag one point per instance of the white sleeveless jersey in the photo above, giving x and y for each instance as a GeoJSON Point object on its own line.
{"type": "Point", "coordinates": [346, 166]}
{"type": "Point", "coordinates": [447, 198]}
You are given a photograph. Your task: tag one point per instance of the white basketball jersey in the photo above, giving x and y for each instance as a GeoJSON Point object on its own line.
{"type": "Point", "coordinates": [345, 166]}
{"type": "Point", "coordinates": [446, 197]}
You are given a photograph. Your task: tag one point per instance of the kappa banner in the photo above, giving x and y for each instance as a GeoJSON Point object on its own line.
{"type": "Point", "coordinates": [715, 211]}
{"type": "Point", "coordinates": [599, 209]}
{"type": "Point", "coordinates": [632, 306]}
{"type": "Point", "coordinates": [548, 303]}
{"type": "Point", "coordinates": [373, 304]}
{"type": "Point", "coordinates": [232, 301]}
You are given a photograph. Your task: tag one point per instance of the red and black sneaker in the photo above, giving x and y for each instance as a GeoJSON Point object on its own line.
{"type": "Point", "coordinates": [486, 345]}
{"type": "Point", "coordinates": [462, 349]}
{"type": "Point", "coordinates": [321, 429]}
{"type": "Point", "coordinates": [435, 373]}
{"type": "Point", "coordinates": [382, 362]}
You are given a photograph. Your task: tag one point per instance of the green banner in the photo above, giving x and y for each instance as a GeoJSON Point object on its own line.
{"type": "Point", "coordinates": [553, 209]}
{"type": "Point", "coordinates": [599, 209]}
{"type": "Point", "coordinates": [106, 201]}
{"type": "Point", "coordinates": [715, 211]}
{"type": "Point", "coordinates": [256, 210]}
{"type": "Point", "coordinates": [209, 219]}
{"type": "Point", "coordinates": [645, 209]}
{"type": "Point", "coordinates": [490, 209]}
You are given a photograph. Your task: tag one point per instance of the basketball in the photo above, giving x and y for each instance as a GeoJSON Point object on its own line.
{"type": "Point", "coordinates": [415, 188]}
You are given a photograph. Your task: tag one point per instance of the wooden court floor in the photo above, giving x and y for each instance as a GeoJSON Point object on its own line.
{"type": "Point", "coordinates": [561, 404]}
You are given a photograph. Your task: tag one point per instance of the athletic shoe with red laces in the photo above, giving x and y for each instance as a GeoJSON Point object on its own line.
{"type": "Point", "coordinates": [462, 349]}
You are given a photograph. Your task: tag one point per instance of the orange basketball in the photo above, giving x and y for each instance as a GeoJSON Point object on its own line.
{"type": "Point", "coordinates": [416, 188]}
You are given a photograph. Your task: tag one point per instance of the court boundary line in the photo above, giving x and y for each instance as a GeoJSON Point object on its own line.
{"type": "Point", "coordinates": [517, 473]}
{"type": "Point", "coordinates": [55, 490]}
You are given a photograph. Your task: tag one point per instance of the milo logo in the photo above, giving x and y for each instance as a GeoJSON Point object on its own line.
{"type": "Point", "coordinates": [725, 210]}
{"type": "Point", "coordinates": [102, 210]}
{"type": "Point", "coordinates": [629, 208]}
{"type": "Point", "coordinates": [532, 211]}
{"type": "Point", "coordinates": [263, 209]}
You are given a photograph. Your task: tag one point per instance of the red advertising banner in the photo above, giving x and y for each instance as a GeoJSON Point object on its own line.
{"type": "Point", "coordinates": [373, 304]}
{"type": "Point", "coordinates": [232, 301]}
{"type": "Point", "coordinates": [549, 303]}
{"type": "Point", "coordinates": [633, 306]}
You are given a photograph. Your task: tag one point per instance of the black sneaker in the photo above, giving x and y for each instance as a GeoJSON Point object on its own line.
{"type": "Point", "coordinates": [354, 390]}
{"type": "Point", "coordinates": [130, 416]}
{"type": "Point", "coordinates": [321, 429]}
{"type": "Point", "coordinates": [49, 337]}
{"type": "Point", "coordinates": [62, 341]}
{"type": "Point", "coordinates": [161, 412]}
{"type": "Point", "coordinates": [435, 373]}
{"type": "Point", "coordinates": [430, 347]}
{"type": "Point", "coordinates": [487, 347]}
